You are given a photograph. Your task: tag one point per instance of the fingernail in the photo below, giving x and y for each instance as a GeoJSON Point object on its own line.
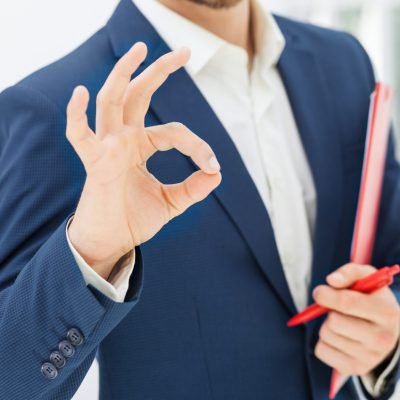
{"type": "Point", "coordinates": [184, 50]}
{"type": "Point", "coordinates": [76, 90]}
{"type": "Point", "coordinates": [213, 163]}
{"type": "Point", "coordinates": [337, 276]}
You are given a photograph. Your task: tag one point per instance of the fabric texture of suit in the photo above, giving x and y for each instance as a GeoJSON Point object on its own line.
{"type": "Point", "coordinates": [211, 320]}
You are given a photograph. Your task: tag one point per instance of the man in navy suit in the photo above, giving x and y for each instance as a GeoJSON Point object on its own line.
{"type": "Point", "coordinates": [269, 116]}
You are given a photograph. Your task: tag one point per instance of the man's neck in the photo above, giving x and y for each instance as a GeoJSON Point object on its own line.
{"type": "Point", "coordinates": [231, 24]}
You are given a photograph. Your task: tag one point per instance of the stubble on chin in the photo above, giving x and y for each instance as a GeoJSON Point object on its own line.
{"type": "Point", "coordinates": [216, 4]}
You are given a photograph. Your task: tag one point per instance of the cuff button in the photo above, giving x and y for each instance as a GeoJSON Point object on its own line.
{"type": "Point", "coordinates": [49, 371]}
{"type": "Point", "coordinates": [66, 348]}
{"type": "Point", "coordinates": [57, 359]}
{"type": "Point", "coordinates": [75, 336]}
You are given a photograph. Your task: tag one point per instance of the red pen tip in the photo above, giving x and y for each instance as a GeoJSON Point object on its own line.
{"type": "Point", "coordinates": [293, 322]}
{"type": "Point", "coordinates": [394, 270]}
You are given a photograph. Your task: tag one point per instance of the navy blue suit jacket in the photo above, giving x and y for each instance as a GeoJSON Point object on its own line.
{"type": "Point", "coordinates": [211, 320]}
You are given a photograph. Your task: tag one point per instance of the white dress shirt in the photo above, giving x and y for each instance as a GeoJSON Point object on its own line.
{"type": "Point", "coordinates": [255, 111]}
{"type": "Point", "coordinates": [251, 102]}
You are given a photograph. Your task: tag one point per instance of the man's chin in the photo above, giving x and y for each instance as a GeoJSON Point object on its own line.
{"type": "Point", "coordinates": [216, 4]}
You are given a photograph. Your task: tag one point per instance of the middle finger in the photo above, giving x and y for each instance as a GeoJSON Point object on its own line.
{"type": "Point", "coordinates": [109, 113]}
{"type": "Point", "coordinates": [140, 90]}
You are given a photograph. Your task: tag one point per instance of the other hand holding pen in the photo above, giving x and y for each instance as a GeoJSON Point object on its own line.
{"type": "Point", "coordinates": [362, 330]}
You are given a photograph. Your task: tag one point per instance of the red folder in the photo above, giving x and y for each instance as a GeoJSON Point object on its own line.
{"type": "Point", "coordinates": [371, 189]}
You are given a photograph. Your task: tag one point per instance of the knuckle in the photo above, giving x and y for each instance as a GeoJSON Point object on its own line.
{"type": "Point", "coordinates": [188, 192]}
{"type": "Point", "coordinates": [353, 367]}
{"type": "Point", "coordinates": [369, 268]}
{"type": "Point", "coordinates": [386, 339]}
{"type": "Point", "coordinates": [165, 74]}
{"type": "Point", "coordinates": [346, 268]}
{"type": "Point", "coordinates": [318, 351]}
{"type": "Point", "coordinates": [163, 63]}
{"type": "Point", "coordinates": [331, 323]}
{"type": "Point", "coordinates": [144, 95]}
{"type": "Point", "coordinates": [68, 134]}
{"type": "Point", "coordinates": [346, 369]}
{"type": "Point", "coordinates": [177, 126]}
{"type": "Point", "coordinates": [318, 294]}
{"type": "Point", "coordinates": [203, 147]}
{"type": "Point", "coordinates": [100, 98]}
{"type": "Point", "coordinates": [324, 332]}
{"type": "Point", "coordinates": [122, 71]}
{"type": "Point", "coordinates": [332, 319]}
{"type": "Point", "coordinates": [116, 102]}
{"type": "Point", "coordinates": [133, 87]}
{"type": "Point", "coordinates": [344, 301]}
{"type": "Point", "coordinates": [392, 313]}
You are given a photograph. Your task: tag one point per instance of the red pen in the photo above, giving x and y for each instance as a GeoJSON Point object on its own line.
{"type": "Point", "coordinates": [379, 279]}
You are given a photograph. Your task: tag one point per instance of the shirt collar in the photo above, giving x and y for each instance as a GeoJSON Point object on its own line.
{"type": "Point", "coordinates": [269, 39]}
{"type": "Point", "coordinates": [204, 45]}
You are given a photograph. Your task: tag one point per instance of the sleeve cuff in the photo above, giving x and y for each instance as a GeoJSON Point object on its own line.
{"type": "Point", "coordinates": [375, 386]}
{"type": "Point", "coordinates": [117, 286]}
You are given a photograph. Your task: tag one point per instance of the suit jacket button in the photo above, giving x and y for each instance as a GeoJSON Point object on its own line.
{"type": "Point", "coordinates": [57, 359]}
{"type": "Point", "coordinates": [66, 348]}
{"type": "Point", "coordinates": [75, 336]}
{"type": "Point", "coordinates": [49, 371]}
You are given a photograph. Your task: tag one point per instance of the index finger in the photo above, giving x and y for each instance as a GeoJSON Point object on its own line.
{"type": "Point", "coordinates": [348, 274]}
{"type": "Point", "coordinates": [371, 307]}
{"type": "Point", "coordinates": [178, 136]}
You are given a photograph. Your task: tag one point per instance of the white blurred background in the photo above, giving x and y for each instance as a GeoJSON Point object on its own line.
{"type": "Point", "coordinates": [35, 33]}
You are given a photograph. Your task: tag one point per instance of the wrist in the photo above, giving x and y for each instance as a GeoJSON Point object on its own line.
{"type": "Point", "coordinates": [100, 259]}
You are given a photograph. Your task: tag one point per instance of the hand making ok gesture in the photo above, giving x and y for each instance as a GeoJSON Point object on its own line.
{"type": "Point", "coordinates": [122, 205]}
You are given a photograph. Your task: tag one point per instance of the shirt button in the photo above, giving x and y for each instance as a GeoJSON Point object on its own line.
{"type": "Point", "coordinates": [49, 371]}
{"type": "Point", "coordinates": [66, 348]}
{"type": "Point", "coordinates": [57, 359]}
{"type": "Point", "coordinates": [75, 336]}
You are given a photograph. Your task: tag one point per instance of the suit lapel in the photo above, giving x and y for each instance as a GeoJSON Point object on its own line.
{"type": "Point", "coordinates": [309, 97]}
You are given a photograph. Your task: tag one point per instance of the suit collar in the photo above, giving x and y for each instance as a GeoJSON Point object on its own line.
{"type": "Point", "coordinates": [127, 26]}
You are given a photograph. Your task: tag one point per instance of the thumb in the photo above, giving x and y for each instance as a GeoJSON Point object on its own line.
{"type": "Point", "coordinates": [193, 189]}
{"type": "Point", "coordinates": [348, 274]}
